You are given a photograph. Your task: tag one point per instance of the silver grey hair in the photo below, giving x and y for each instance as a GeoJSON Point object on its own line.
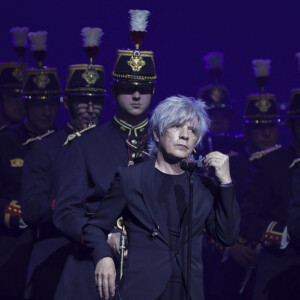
{"type": "Point", "coordinates": [174, 110]}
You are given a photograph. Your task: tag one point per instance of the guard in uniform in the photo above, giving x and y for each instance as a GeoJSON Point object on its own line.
{"type": "Point", "coordinates": [261, 130]}
{"type": "Point", "coordinates": [84, 99]}
{"type": "Point", "coordinates": [265, 216]}
{"type": "Point", "coordinates": [40, 93]}
{"type": "Point", "coordinates": [218, 137]}
{"type": "Point", "coordinates": [92, 160]}
{"type": "Point", "coordinates": [294, 219]}
{"type": "Point", "coordinates": [12, 110]}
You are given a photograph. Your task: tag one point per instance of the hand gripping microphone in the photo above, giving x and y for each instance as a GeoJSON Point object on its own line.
{"type": "Point", "coordinates": [191, 165]}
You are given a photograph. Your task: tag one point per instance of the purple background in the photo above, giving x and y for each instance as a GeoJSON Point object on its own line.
{"type": "Point", "coordinates": [180, 33]}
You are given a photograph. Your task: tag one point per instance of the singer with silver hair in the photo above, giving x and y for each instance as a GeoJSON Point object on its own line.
{"type": "Point", "coordinates": [153, 198]}
{"type": "Point", "coordinates": [175, 108]}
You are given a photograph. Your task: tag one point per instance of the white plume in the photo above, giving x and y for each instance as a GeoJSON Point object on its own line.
{"type": "Point", "coordinates": [91, 36]}
{"type": "Point", "coordinates": [138, 19]}
{"type": "Point", "coordinates": [298, 57]}
{"type": "Point", "coordinates": [19, 36]}
{"type": "Point", "coordinates": [261, 67]}
{"type": "Point", "coordinates": [38, 40]}
{"type": "Point", "coordinates": [214, 60]}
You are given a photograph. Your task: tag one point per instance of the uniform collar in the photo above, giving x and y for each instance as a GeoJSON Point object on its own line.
{"type": "Point", "coordinates": [129, 129]}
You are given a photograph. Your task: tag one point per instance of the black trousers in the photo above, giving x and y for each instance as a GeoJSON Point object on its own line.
{"type": "Point", "coordinates": [175, 290]}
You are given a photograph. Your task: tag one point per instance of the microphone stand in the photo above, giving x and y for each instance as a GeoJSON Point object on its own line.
{"type": "Point", "coordinates": [190, 220]}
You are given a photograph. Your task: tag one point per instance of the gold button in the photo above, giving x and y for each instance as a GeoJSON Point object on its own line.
{"type": "Point", "coordinates": [134, 142]}
{"type": "Point", "coordinates": [142, 130]}
{"type": "Point", "coordinates": [130, 163]}
{"type": "Point", "coordinates": [123, 128]}
{"type": "Point", "coordinates": [133, 155]}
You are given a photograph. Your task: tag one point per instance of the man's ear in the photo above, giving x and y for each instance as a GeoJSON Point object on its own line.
{"type": "Point", "coordinates": [155, 135]}
{"type": "Point", "coordinates": [66, 103]}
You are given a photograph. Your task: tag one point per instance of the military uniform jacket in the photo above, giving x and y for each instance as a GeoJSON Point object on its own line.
{"type": "Point", "coordinates": [15, 243]}
{"type": "Point", "coordinates": [39, 185]}
{"type": "Point", "coordinates": [88, 169]}
{"type": "Point", "coordinates": [294, 219]}
{"type": "Point", "coordinates": [148, 267]}
{"type": "Point", "coordinates": [265, 214]}
{"type": "Point", "coordinates": [268, 194]}
{"type": "Point", "coordinates": [12, 153]}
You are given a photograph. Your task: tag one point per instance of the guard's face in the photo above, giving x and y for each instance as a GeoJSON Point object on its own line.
{"type": "Point", "coordinates": [85, 111]}
{"type": "Point", "coordinates": [220, 120]}
{"type": "Point", "coordinates": [42, 113]}
{"type": "Point", "coordinates": [133, 105]}
{"type": "Point", "coordinates": [13, 107]}
{"type": "Point", "coordinates": [263, 137]}
{"type": "Point", "coordinates": [178, 141]}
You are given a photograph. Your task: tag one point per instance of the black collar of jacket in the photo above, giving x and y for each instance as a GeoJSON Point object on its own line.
{"type": "Point", "coordinates": [128, 130]}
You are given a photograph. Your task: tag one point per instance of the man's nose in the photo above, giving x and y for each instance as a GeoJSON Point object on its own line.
{"type": "Point", "coordinates": [46, 110]}
{"type": "Point", "coordinates": [90, 107]}
{"type": "Point", "coordinates": [184, 134]}
{"type": "Point", "coordinates": [267, 132]}
{"type": "Point", "coordinates": [136, 95]}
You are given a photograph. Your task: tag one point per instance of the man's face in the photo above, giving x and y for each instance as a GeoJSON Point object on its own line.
{"type": "Point", "coordinates": [134, 104]}
{"type": "Point", "coordinates": [263, 137]}
{"type": "Point", "coordinates": [133, 100]}
{"type": "Point", "coordinates": [85, 111]}
{"type": "Point", "coordinates": [42, 113]}
{"type": "Point", "coordinates": [178, 141]}
{"type": "Point", "coordinates": [220, 120]}
{"type": "Point", "coordinates": [13, 107]}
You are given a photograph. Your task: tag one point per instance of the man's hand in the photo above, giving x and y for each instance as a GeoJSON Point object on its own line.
{"type": "Point", "coordinates": [244, 255]}
{"type": "Point", "coordinates": [114, 243]}
{"type": "Point", "coordinates": [220, 162]}
{"type": "Point", "coordinates": [105, 277]}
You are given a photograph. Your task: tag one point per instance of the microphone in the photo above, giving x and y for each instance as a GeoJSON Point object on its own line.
{"type": "Point", "coordinates": [191, 165]}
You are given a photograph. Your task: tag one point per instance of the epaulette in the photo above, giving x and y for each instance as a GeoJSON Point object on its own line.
{"type": "Point", "coordinates": [260, 154]}
{"type": "Point", "coordinates": [75, 134]}
{"type": "Point", "coordinates": [294, 162]}
{"type": "Point", "coordinates": [13, 209]}
{"type": "Point", "coordinates": [273, 235]}
{"type": "Point", "coordinates": [38, 138]}
{"type": "Point", "coordinates": [232, 153]}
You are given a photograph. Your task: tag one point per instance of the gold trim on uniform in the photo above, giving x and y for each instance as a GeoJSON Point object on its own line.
{"type": "Point", "coordinates": [128, 76]}
{"type": "Point", "coordinates": [294, 162]}
{"type": "Point", "coordinates": [130, 163]}
{"type": "Point", "coordinates": [260, 154]}
{"type": "Point", "coordinates": [75, 134]}
{"type": "Point", "coordinates": [136, 129]}
{"type": "Point", "coordinates": [17, 163]}
{"type": "Point", "coordinates": [13, 209]}
{"type": "Point", "coordinates": [38, 138]}
{"type": "Point", "coordinates": [135, 147]}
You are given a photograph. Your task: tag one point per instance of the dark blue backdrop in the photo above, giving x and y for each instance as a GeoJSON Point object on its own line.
{"type": "Point", "coordinates": [179, 32]}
